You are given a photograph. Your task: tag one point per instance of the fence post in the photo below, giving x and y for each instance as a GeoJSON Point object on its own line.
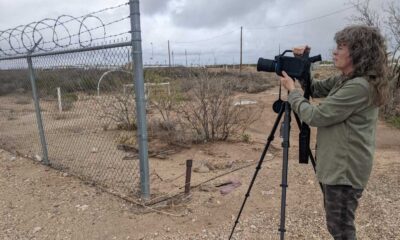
{"type": "Point", "coordinates": [139, 96]}
{"type": "Point", "coordinates": [59, 100]}
{"type": "Point", "coordinates": [37, 109]}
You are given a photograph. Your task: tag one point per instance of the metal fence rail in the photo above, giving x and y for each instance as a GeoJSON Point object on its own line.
{"type": "Point", "coordinates": [54, 109]}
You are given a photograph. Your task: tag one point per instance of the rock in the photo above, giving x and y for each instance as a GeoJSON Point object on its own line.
{"type": "Point", "coordinates": [219, 165]}
{"type": "Point", "coordinates": [94, 150]}
{"type": "Point", "coordinates": [207, 188]}
{"type": "Point", "coordinates": [230, 186]}
{"type": "Point", "coordinates": [270, 192]}
{"type": "Point", "coordinates": [82, 208]}
{"type": "Point", "coordinates": [202, 169]}
{"type": "Point", "coordinates": [36, 229]}
{"type": "Point", "coordinates": [38, 158]}
{"type": "Point", "coordinates": [13, 158]}
{"type": "Point", "coordinates": [131, 156]}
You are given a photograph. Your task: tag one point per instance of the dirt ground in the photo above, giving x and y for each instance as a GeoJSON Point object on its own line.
{"type": "Point", "coordinates": [38, 202]}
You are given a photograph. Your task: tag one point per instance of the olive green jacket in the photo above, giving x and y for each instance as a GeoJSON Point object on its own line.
{"type": "Point", "coordinates": [346, 121]}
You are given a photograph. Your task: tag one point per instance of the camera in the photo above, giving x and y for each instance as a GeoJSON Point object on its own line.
{"type": "Point", "coordinates": [295, 67]}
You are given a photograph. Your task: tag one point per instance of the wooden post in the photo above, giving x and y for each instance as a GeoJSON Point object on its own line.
{"type": "Point", "coordinates": [188, 175]}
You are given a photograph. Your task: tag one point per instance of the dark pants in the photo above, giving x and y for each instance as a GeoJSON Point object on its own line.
{"type": "Point", "coordinates": [340, 202]}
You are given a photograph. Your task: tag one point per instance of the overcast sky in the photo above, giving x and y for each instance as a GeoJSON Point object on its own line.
{"type": "Point", "coordinates": [208, 30]}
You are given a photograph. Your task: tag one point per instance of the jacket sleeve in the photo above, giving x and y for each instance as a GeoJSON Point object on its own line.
{"type": "Point", "coordinates": [321, 88]}
{"type": "Point", "coordinates": [334, 109]}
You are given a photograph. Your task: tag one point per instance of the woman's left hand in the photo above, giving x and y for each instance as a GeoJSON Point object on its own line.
{"type": "Point", "coordinates": [287, 82]}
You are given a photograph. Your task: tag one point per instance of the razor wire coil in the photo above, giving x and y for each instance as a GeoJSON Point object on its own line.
{"type": "Point", "coordinates": [62, 32]}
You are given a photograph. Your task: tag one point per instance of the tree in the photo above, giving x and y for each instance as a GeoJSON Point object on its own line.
{"type": "Point", "coordinates": [389, 24]}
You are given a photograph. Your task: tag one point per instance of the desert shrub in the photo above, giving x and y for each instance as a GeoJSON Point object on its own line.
{"type": "Point", "coordinates": [211, 113]}
{"type": "Point", "coordinates": [59, 116]}
{"type": "Point", "coordinates": [23, 100]}
{"type": "Point", "coordinates": [248, 82]}
{"type": "Point", "coordinates": [166, 125]}
{"type": "Point", "coordinates": [255, 82]}
{"type": "Point", "coordinates": [395, 121]}
{"type": "Point", "coordinates": [79, 80]}
{"type": "Point", "coordinates": [68, 100]}
{"type": "Point", "coordinates": [168, 131]}
{"type": "Point", "coordinates": [119, 110]}
{"type": "Point", "coordinates": [165, 102]}
{"type": "Point", "coordinates": [126, 138]}
{"type": "Point", "coordinates": [11, 80]}
{"type": "Point", "coordinates": [245, 138]}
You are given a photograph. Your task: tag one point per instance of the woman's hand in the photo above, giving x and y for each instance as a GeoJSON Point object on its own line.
{"type": "Point", "coordinates": [300, 50]}
{"type": "Point", "coordinates": [287, 82]}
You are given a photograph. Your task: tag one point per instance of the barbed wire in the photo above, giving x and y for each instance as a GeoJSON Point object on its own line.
{"type": "Point", "coordinates": [54, 33]}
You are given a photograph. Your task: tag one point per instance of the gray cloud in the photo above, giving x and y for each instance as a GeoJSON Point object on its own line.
{"type": "Point", "coordinates": [206, 29]}
{"type": "Point", "coordinates": [211, 13]}
{"type": "Point", "coordinates": [152, 7]}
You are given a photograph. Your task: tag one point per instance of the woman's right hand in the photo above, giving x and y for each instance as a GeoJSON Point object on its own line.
{"type": "Point", "coordinates": [301, 50]}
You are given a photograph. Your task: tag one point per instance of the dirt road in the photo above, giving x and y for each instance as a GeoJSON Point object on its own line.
{"type": "Point", "coordinates": [38, 202]}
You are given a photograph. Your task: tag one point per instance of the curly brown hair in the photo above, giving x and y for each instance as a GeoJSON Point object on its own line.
{"type": "Point", "coordinates": [367, 49]}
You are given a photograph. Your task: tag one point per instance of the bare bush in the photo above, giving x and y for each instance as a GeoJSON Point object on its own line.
{"type": "Point", "coordinates": [166, 125]}
{"type": "Point", "coordinates": [211, 113]}
{"type": "Point", "coordinates": [23, 100]}
{"type": "Point", "coordinates": [120, 110]}
{"type": "Point", "coordinates": [366, 15]}
{"type": "Point", "coordinates": [168, 132]}
{"type": "Point", "coordinates": [68, 100]}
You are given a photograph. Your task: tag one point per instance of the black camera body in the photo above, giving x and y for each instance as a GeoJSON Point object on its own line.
{"type": "Point", "coordinates": [295, 67]}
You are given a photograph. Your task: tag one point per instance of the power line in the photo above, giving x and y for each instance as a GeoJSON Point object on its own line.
{"type": "Point", "coordinates": [304, 21]}
{"type": "Point", "coordinates": [270, 27]}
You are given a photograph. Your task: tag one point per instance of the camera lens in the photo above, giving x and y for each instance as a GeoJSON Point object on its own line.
{"type": "Point", "coordinates": [266, 65]}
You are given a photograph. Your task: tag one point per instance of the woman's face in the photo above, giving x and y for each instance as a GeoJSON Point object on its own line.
{"type": "Point", "coordinates": [342, 59]}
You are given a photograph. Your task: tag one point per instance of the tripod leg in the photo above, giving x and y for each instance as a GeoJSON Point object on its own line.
{"type": "Point", "coordinates": [270, 139]}
{"type": "Point", "coordinates": [284, 185]}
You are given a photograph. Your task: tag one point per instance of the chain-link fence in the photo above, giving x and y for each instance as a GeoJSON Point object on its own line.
{"type": "Point", "coordinates": [69, 107]}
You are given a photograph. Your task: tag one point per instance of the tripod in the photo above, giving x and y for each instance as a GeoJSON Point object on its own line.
{"type": "Point", "coordinates": [284, 109]}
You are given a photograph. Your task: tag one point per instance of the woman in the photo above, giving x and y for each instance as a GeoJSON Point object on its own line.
{"type": "Point", "coordinates": [346, 121]}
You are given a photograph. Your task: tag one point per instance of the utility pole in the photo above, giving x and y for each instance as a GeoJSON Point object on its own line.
{"type": "Point", "coordinates": [173, 59]}
{"type": "Point", "coordinates": [241, 49]}
{"type": "Point", "coordinates": [186, 57]}
{"type": "Point", "coordinates": [169, 56]}
{"type": "Point", "coordinates": [152, 53]}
